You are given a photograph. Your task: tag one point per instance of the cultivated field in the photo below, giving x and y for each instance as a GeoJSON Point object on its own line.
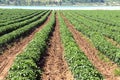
{"type": "Point", "coordinates": [59, 45]}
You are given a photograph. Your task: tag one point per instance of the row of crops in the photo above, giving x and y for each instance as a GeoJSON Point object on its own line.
{"type": "Point", "coordinates": [95, 25]}
{"type": "Point", "coordinates": [96, 31]}
{"type": "Point", "coordinates": [79, 64]}
{"type": "Point", "coordinates": [9, 28]}
{"type": "Point", "coordinates": [107, 17]}
{"type": "Point", "coordinates": [21, 27]}
{"type": "Point", "coordinates": [7, 15]}
{"type": "Point", "coordinates": [25, 66]}
{"type": "Point", "coordinates": [110, 29]}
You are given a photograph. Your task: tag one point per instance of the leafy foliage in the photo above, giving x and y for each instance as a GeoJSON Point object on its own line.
{"type": "Point", "coordinates": [7, 38]}
{"type": "Point", "coordinates": [25, 67]}
{"type": "Point", "coordinates": [96, 32]}
{"type": "Point", "coordinates": [79, 64]}
{"type": "Point", "coordinates": [20, 23]}
{"type": "Point", "coordinates": [44, 2]}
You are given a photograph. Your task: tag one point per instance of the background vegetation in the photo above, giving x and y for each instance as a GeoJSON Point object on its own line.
{"type": "Point", "coordinates": [57, 2]}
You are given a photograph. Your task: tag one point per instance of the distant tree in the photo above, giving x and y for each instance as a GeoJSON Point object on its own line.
{"type": "Point", "coordinates": [102, 1]}
{"type": "Point", "coordinates": [3, 1]}
{"type": "Point", "coordinates": [60, 2]}
{"type": "Point", "coordinates": [7, 2]}
{"type": "Point", "coordinates": [32, 2]}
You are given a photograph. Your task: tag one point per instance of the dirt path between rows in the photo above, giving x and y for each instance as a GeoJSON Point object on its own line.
{"type": "Point", "coordinates": [55, 67]}
{"type": "Point", "coordinates": [6, 60]}
{"type": "Point", "coordinates": [105, 68]}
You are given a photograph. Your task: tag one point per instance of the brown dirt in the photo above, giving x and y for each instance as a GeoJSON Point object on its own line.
{"type": "Point", "coordinates": [55, 67]}
{"type": "Point", "coordinates": [105, 68]}
{"type": "Point", "coordinates": [7, 58]}
{"type": "Point", "coordinates": [113, 42]}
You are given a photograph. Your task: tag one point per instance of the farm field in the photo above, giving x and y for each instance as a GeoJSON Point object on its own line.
{"type": "Point", "coordinates": [59, 45]}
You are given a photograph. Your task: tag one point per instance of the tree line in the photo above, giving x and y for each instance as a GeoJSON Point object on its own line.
{"type": "Point", "coordinates": [47, 2]}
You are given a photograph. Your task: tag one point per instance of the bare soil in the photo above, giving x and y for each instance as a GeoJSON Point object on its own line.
{"type": "Point", "coordinates": [55, 67]}
{"type": "Point", "coordinates": [105, 68]}
{"type": "Point", "coordinates": [8, 57]}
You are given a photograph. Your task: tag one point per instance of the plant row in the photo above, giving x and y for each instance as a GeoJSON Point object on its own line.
{"type": "Point", "coordinates": [7, 15]}
{"type": "Point", "coordinates": [25, 67]}
{"type": "Point", "coordinates": [99, 41]}
{"type": "Point", "coordinates": [80, 66]}
{"type": "Point", "coordinates": [21, 32]}
{"type": "Point", "coordinates": [110, 18]}
{"type": "Point", "coordinates": [12, 27]}
{"type": "Point", "coordinates": [112, 32]}
{"type": "Point", "coordinates": [106, 30]}
{"type": "Point", "coordinates": [27, 16]}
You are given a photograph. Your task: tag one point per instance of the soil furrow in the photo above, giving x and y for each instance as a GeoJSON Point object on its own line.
{"type": "Point", "coordinates": [106, 68]}
{"type": "Point", "coordinates": [7, 58]}
{"type": "Point", "coordinates": [55, 67]}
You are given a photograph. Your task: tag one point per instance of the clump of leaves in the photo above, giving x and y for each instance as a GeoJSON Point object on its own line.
{"type": "Point", "coordinates": [117, 72]}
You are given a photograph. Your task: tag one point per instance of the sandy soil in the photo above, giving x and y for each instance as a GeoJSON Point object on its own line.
{"type": "Point", "coordinates": [55, 67]}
